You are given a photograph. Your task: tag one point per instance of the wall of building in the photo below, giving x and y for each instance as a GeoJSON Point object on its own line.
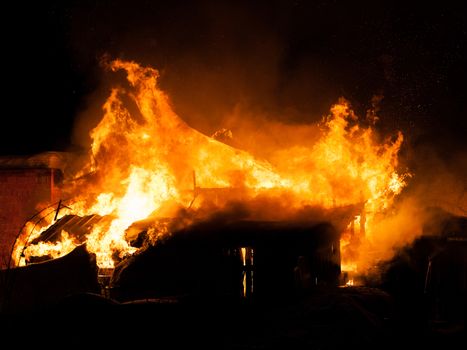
{"type": "Point", "coordinates": [27, 183]}
{"type": "Point", "coordinates": [22, 192]}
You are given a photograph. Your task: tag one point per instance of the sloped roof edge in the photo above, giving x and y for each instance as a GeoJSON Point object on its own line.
{"type": "Point", "coordinates": [47, 160]}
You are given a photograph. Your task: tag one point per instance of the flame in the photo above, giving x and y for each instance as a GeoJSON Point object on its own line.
{"type": "Point", "coordinates": [243, 253]}
{"type": "Point", "coordinates": [350, 283]}
{"type": "Point", "coordinates": [55, 250]}
{"type": "Point", "coordinates": [31, 231]}
{"type": "Point", "coordinates": [144, 157]}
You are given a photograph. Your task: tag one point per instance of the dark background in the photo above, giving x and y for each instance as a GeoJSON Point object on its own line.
{"type": "Point", "coordinates": [288, 60]}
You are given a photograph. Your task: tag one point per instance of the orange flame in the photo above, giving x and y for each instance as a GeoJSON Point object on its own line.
{"type": "Point", "coordinates": [145, 155]}
{"type": "Point", "coordinates": [54, 250]}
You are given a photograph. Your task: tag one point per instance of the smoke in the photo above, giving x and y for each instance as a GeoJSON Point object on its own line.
{"type": "Point", "coordinates": [280, 62]}
{"type": "Point", "coordinates": [393, 231]}
{"type": "Point", "coordinates": [440, 181]}
{"type": "Point", "coordinates": [436, 193]}
{"type": "Point", "coordinates": [269, 72]}
{"type": "Point", "coordinates": [221, 59]}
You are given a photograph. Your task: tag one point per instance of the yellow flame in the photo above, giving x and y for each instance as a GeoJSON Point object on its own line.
{"type": "Point", "coordinates": [55, 250]}
{"type": "Point", "coordinates": [243, 252]}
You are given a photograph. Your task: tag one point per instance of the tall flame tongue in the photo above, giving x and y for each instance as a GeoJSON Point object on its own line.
{"type": "Point", "coordinates": [145, 156]}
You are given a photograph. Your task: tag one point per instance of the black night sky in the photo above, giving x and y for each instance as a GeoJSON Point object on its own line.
{"type": "Point", "coordinates": [288, 59]}
{"type": "Point", "coordinates": [284, 61]}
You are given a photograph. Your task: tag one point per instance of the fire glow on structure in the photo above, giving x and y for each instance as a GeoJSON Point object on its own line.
{"type": "Point", "coordinates": [247, 255]}
{"type": "Point", "coordinates": [143, 157]}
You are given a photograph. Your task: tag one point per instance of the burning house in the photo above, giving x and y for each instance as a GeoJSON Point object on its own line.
{"type": "Point", "coordinates": [151, 195]}
{"type": "Point", "coordinates": [218, 191]}
{"type": "Point", "coordinates": [161, 214]}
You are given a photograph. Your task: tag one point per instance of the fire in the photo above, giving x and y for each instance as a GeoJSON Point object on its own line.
{"type": "Point", "coordinates": [243, 253]}
{"type": "Point", "coordinates": [32, 230]}
{"type": "Point", "coordinates": [147, 162]}
{"type": "Point", "coordinates": [62, 247]}
{"type": "Point", "coordinates": [139, 201]}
